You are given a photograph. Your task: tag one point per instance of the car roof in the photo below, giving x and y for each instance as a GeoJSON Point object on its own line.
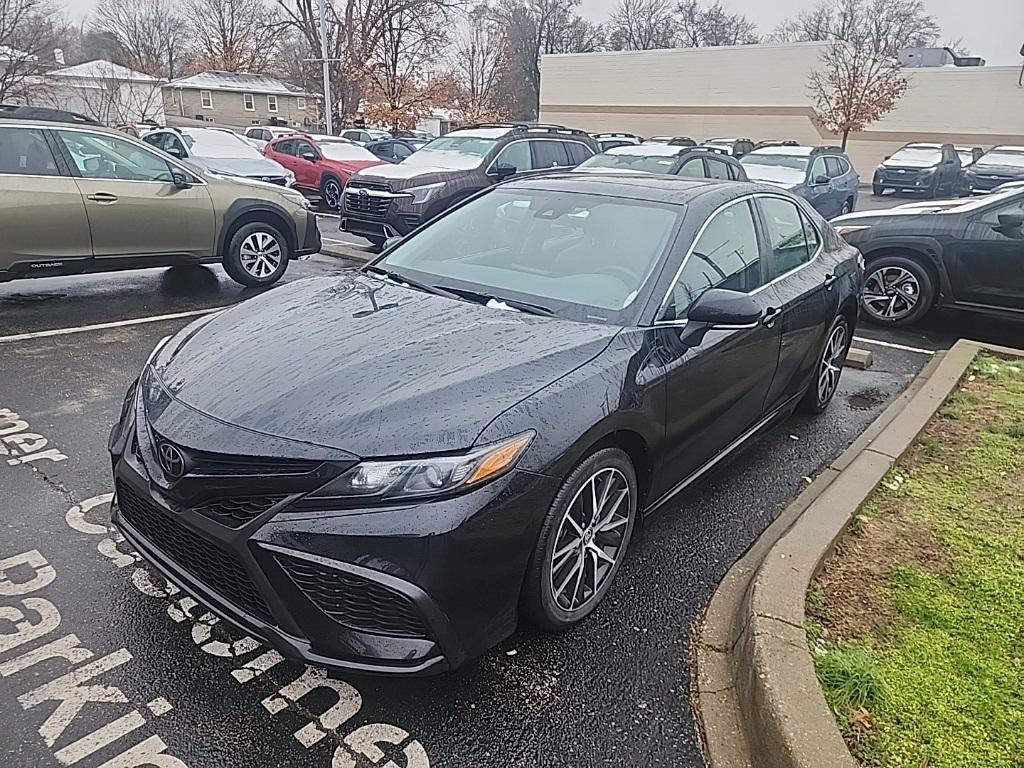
{"type": "Point", "coordinates": [481, 133]}
{"type": "Point", "coordinates": [645, 150]}
{"type": "Point", "coordinates": [922, 145]}
{"type": "Point", "coordinates": [29, 123]}
{"type": "Point", "coordinates": [655, 188]}
{"type": "Point", "coordinates": [800, 151]}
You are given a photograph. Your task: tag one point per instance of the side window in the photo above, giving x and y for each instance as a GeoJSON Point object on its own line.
{"type": "Point", "coordinates": [172, 145]}
{"type": "Point", "coordinates": [286, 147]}
{"type": "Point", "coordinates": [786, 234]}
{"type": "Point", "coordinates": [577, 152]}
{"type": "Point", "coordinates": [811, 233]}
{"type": "Point", "coordinates": [834, 167]}
{"type": "Point", "coordinates": [717, 169]}
{"type": "Point", "coordinates": [992, 216]}
{"type": "Point", "coordinates": [24, 151]}
{"type": "Point", "coordinates": [735, 172]}
{"type": "Point", "coordinates": [516, 154]}
{"type": "Point", "coordinates": [818, 168]}
{"type": "Point", "coordinates": [725, 256]}
{"type": "Point", "coordinates": [399, 151]}
{"type": "Point", "coordinates": [304, 148]}
{"type": "Point", "coordinates": [549, 154]}
{"type": "Point", "coordinates": [100, 156]}
{"type": "Point", "coordinates": [155, 139]}
{"type": "Point", "coordinates": [693, 169]}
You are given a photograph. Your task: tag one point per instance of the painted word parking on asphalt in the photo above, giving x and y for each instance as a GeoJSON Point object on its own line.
{"type": "Point", "coordinates": [19, 445]}
{"type": "Point", "coordinates": [249, 660]}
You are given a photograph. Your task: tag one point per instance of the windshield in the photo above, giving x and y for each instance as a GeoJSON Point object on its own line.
{"type": "Point", "coordinates": [630, 162]}
{"type": "Point", "coordinates": [585, 257]}
{"type": "Point", "coordinates": [966, 156]}
{"type": "Point", "coordinates": [220, 144]}
{"type": "Point", "coordinates": [337, 150]}
{"type": "Point", "coordinates": [456, 152]}
{"type": "Point", "coordinates": [917, 156]}
{"type": "Point", "coordinates": [1003, 157]}
{"type": "Point", "coordinates": [786, 169]}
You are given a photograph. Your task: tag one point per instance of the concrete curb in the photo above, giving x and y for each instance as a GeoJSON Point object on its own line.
{"type": "Point", "coordinates": [343, 251]}
{"type": "Point", "coordinates": [758, 698]}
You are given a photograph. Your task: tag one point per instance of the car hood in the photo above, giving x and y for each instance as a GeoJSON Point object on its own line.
{"type": "Point", "coordinates": [774, 174]}
{"type": "Point", "coordinates": [369, 367]}
{"type": "Point", "coordinates": [912, 165]}
{"type": "Point", "coordinates": [402, 175]}
{"type": "Point", "coordinates": [986, 169]}
{"type": "Point", "coordinates": [352, 166]}
{"type": "Point", "coordinates": [247, 167]}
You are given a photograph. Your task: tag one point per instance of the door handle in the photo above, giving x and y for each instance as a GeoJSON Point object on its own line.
{"type": "Point", "coordinates": [102, 197]}
{"type": "Point", "coordinates": [830, 280]}
{"type": "Point", "coordinates": [771, 314]}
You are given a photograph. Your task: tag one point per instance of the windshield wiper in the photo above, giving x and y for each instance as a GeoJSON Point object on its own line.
{"type": "Point", "coordinates": [412, 283]}
{"type": "Point", "coordinates": [522, 306]}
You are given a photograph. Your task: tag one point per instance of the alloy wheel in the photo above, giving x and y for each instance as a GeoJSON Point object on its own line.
{"type": "Point", "coordinates": [590, 540]}
{"type": "Point", "coordinates": [260, 254]}
{"type": "Point", "coordinates": [890, 293]}
{"type": "Point", "coordinates": [846, 208]}
{"type": "Point", "coordinates": [332, 195]}
{"type": "Point", "coordinates": [832, 360]}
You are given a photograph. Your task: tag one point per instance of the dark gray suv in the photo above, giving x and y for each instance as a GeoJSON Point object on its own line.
{"type": "Point", "coordinates": [392, 200]}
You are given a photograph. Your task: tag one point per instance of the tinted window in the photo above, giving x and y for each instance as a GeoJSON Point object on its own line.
{"type": "Point", "coordinates": [516, 154]}
{"type": "Point", "coordinates": [992, 216]}
{"type": "Point", "coordinates": [577, 152]}
{"type": "Point", "coordinates": [717, 169]}
{"type": "Point", "coordinates": [101, 156]}
{"type": "Point", "coordinates": [786, 234]}
{"type": "Point", "coordinates": [304, 148]}
{"type": "Point", "coordinates": [834, 167]}
{"type": "Point", "coordinates": [24, 151]}
{"type": "Point", "coordinates": [400, 151]}
{"type": "Point", "coordinates": [693, 168]}
{"type": "Point", "coordinates": [818, 168]}
{"type": "Point", "coordinates": [549, 154]}
{"type": "Point", "coordinates": [725, 256]}
{"type": "Point", "coordinates": [286, 147]}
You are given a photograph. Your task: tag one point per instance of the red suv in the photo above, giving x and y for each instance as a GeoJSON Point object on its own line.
{"type": "Point", "coordinates": [321, 165]}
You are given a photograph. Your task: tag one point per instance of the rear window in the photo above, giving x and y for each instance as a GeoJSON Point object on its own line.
{"type": "Point", "coordinates": [550, 154]}
{"type": "Point", "coordinates": [25, 151]}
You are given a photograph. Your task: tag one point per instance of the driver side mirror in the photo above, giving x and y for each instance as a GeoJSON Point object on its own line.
{"type": "Point", "coordinates": [391, 242]}
{"type": "Point", "coordinates": [180, 180]}
{"type": "Point", "coordinates": [502, 171]}
{"type": "Point", "coordinates": [821, 179]}
{"type": "Point", "coordinates": [309, 156]}
{"type": "Point", "coordinates": [719, 308]}
{"type": "Point", "coordinates": [176, 151]}
{"type": "Point", "coordinates": [1010, 222]}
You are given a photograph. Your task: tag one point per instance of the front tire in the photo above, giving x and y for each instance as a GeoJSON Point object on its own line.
{"type": "Point", "coordinates": [330, 194]}
{"type": "Point", "coordinates": [877, 190]}
{"type": "Point", "coordinates": [257, 255]}
{"type": "Point", "coordinates": [830, 367]}
{"type": "Point", "coordinates": [897, 291]}
{"type": "Point", "coordinates": [582, 542]}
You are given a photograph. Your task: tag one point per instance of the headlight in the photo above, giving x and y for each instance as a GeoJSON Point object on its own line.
{"type": "Point", "coordinates": [928, 171]}
{"type": "Point", "coordinates": [289, 178]}
{"type": "Point", "coordinates": [428, 476]}
{"type": "Point", "coordinates": [420, 195]}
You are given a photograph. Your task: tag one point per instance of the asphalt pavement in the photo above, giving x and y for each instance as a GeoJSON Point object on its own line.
{"type": "Point", "coordinates": [154, 674]}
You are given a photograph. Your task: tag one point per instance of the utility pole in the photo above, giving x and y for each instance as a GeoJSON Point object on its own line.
{"type": "Point", "coordinates": [328, 105]}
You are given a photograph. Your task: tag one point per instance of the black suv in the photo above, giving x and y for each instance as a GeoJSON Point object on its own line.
{"type": "Point", "coordinates": [931, 169]}
{"type": "Point", "coordinates": [392, 200]}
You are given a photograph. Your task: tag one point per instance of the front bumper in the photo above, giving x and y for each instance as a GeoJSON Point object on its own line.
{"type": "Point", "coordinates": [409, 590]}
{"type": "Point", "coordinates": [984, 183]}
{"type": "Point", "coordinates": [311, 241]}
{"type": "Point", "coordinates": [379, 213]}
{"type": "Point", "coordinates": [906, 182]}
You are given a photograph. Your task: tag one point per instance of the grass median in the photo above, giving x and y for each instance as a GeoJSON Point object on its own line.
{"type": "Point", "coordinates": [916, 623]}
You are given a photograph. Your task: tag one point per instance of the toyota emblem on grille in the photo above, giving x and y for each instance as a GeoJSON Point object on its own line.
{"type": "Point", "coordinates": [171, 461]}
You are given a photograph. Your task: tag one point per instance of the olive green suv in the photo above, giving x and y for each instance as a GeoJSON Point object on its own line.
{"type": "Point", "coordinates": [76, 199]}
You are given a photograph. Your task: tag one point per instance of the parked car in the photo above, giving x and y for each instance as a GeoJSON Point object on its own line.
{"type": "Point", "coordinates": [996, 167]}
{"type": "Point", "coordinates": [968, 157]}
{"type": "Point", "coordinates": [220, 152]}
{"type": "Point", "coordinates": [78, 198]}
{"type": "Point", "coordinates": [931, 169]}
{"type": "Point", "coordinates": [964, 254]}
{"type": "Point", "coordinates": [824, 176]}
{"type": "Point", "coordinates": [321, 168]}
{"type": "Point", "coordinates": [364, 135]}
{"type": "Point", "coordinates": [392, 200]}
{"type": "Point", "coordinates": [776, 143]}
{"type": "Point", "coordinates": [733, 147]}
{"type": "Point", "coordinates": [395, 150]}
{"type": "Point", "coordinates": [259, 135]}
{"type": "Point", "coordinates": [606, 141]}
{"type": "Point", "coordinates": [676, 141]}
{"type": "Point", "coordinates": [691, 162]}
{"type": "Point", "coordinates": [465, 433]}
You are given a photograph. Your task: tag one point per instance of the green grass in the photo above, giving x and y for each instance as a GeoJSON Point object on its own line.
{"type": "Point", "coordinates": [944, 682]}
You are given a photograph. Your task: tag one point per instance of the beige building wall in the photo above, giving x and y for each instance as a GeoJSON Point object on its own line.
{"type": "Point", "coordinates": [761, 92]}
{"type": "Point", "coordinates": [228, 108]}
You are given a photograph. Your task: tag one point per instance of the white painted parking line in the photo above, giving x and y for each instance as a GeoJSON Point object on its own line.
{"type": "Point", "coordinates": [104, 326]}
{"type": "Point", "coordinates": [328, 215]}
{"type": "Point", "coordinates": [890, 345]}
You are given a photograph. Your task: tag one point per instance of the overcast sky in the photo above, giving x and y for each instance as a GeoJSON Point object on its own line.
{"type": "Point", "coordinates": [993, 29]}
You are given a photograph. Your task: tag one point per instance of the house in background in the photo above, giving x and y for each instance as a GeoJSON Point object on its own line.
{"type": "Point", "coordinates": [239, 100]}
{"type": "Point", "coordinates": [105, 91]}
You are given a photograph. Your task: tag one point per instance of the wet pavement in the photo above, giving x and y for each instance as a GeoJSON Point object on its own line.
{"type": "Point", "coordinates": [155, 674]}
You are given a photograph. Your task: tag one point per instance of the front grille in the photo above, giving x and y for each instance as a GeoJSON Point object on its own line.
{"type": "Point", "coordinates": [380, 186]}
{"type": "Point", "coordinates": [355, 602]}
{"type": "Point", "coordinates": [207, 463]}
{"type": "Point", "coordinates": [281, 181]}
{"type": "Point", "coordinates": [236, 512]}
{"type": "Point", "coordinates": [210, 563]}
{"type": "Point", "coordinates": [366, 206]}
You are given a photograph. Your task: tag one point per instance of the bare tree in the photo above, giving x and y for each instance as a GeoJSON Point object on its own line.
{"type": "Point", "coordinates": [27, 40]}
{"type": "Point", "coordinates": [111, 96]}
{"type": "Point", "coordinates": [234, 35]}
{"type": "Point", "coordinates": [479, 55]}
{"type": "Point", "coordinates": [885, 26]}
{"type": "Point", "coordinates": [701, 25]}
{"type": "Point", "coordinates": [642, 25]}
{"type": "Point", "coordinates": [855, 85]}
{"type": "Point", "coordinates": [151, 34]}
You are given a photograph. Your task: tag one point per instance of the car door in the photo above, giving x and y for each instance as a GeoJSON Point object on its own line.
{"type": "Point", "coordinates": [716, 390]}
{"type": "Point", "coordinates": [819, 189]}
{"type": "Point", "coordinates": [283, 152]}
{"type": "Point", "coordinates": [133, 206]}
{"type": "Point", "coordinates": [307, 165]}
{"type": "Point", "coordinates": [43, 224]}
{"type": "Point", "coordinates": [988, 263]}
{"type": "Point", "coordinates": [803, 288]}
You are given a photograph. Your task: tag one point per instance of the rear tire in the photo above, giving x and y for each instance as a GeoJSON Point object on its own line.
{"type": "Point", "coordinates": [257, 255]}
{"type": "Point", "coordinates": [898, 290]}
{"type": "Point", "coordinates": [579, 551]}
{"type": "Point", "coordinates": [827, 372]}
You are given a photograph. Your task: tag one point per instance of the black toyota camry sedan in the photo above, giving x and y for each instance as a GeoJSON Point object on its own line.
{"type": "Point", "coordinates": [384, 470]}
{"type": "Point", "coordinates": [964, 254]}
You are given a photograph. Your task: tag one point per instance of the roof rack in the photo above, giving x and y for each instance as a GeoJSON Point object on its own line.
{"type": "Point", "coordinates": [525, 127]}
{"type": "Point", "coordinates": [616, 134]}
{"type": "Point", "coordinates": [829, 148]}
